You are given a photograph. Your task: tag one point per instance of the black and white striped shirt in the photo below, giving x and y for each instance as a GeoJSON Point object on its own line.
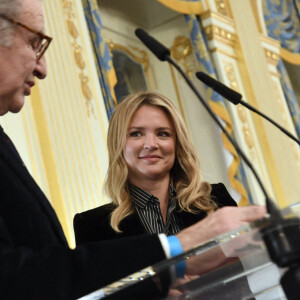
{"type": "Point", "coordinates": [148, 208]}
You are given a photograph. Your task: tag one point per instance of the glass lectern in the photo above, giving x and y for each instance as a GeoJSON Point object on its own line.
{"type": "Point", "coordinates": [235, 265]}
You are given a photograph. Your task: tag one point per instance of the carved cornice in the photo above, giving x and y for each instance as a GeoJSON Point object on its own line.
{"type": "Point", "coordinates": [208, 14]}
{"type": "Point", "coordinates": [272, 57]}
{"type": "Point", "coordinates": [221, 34]}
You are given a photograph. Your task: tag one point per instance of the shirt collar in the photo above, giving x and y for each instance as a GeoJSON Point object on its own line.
{"type": "Point", "coordinates": [141, 198]}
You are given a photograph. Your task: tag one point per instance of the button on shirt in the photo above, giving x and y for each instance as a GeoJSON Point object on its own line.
{"type": "Point", "coordinates": [147, 207]}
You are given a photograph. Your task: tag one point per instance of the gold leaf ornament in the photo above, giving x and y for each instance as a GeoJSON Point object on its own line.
{"type": "Point", "coordinates": [72, 29]}
{"type": "Point", "coordinates": [85, 87]}
{"type": "Point", "coordinates": [78, 57]}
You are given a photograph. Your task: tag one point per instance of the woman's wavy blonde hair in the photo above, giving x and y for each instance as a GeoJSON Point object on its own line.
{"type": "Point", "coordinates": [192, 194]}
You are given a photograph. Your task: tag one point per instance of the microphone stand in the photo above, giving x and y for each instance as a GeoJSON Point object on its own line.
{"type": "Point", "coordinates": [236, 98]}
{"type": "Point", "coordinates": [271, 208]}
{"type": "Point", "coordinates": [282, 237]}
{"type": "Point", "coordinates": [270, 120]}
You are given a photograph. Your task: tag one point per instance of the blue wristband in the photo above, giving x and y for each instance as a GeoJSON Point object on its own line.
{"type": "Point", "coordinates": [176, 249]}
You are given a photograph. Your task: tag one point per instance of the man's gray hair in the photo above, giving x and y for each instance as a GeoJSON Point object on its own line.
{"type": "Point", "coordinates": [11, 9]}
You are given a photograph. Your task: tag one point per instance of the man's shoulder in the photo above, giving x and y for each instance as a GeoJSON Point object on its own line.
{"type": "Point", "coordinates": [221, 196]}
{"type": "Point", "coordinates": [98, 213]}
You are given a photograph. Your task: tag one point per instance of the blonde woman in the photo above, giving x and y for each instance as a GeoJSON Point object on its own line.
{"type": "Point", "coordinates": [153, 179]}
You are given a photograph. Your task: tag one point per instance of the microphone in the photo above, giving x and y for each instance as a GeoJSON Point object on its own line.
{"type": "Point", "coordinates": [280, 235]}
{"type": "Point", "coordinates": [236, 98]}
{"type": "Point", "coordinates": [160, 51]}
{"type": "Point", "coordinates": [163, 54]}
{"type": "Point", "coordinates": [220, 88]}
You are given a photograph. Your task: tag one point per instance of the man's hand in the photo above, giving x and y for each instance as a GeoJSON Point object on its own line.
{"type": "Point", "coordinates": [221, 221]}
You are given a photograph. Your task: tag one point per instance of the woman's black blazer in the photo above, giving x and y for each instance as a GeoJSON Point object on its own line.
{"type": "Point", "coordinates": [94, 224]}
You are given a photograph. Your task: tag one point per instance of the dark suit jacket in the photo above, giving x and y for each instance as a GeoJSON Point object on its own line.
{"type": "Point", "coordinates": [35, 260]}
{"type": "Point", "coordinates": [94, 224]}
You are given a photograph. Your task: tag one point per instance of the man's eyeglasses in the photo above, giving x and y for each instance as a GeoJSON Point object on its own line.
{"type": "Point", "coordinates": [40, 44]}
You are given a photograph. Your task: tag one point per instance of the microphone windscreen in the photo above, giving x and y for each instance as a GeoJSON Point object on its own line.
{"type": "Point", "coordinates": [220, 88]}
{"type": "Point", "coordinates": [159, 50]}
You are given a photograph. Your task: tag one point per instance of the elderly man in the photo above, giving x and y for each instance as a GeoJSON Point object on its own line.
{"type": "Point", "coordinates": [35, 260]}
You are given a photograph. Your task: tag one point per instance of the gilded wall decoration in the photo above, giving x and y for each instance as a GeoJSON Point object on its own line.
{"type": "Point", "coordinates": [140, 56]}
{"type": "Point", "coordinates": [216, 32]}
{"type": "Point", "coordinates": [271, 56]}
{"type": "Point", "coordinates": [248, 136]}
{"type": "Point", "coordinates": [181, 51]}
{"type": "Point", "coordinates": [222, 7]}
{"type": "Point", "coordinates": [130, 70]}
{"type": "Point", "coordinates": [78, 57]}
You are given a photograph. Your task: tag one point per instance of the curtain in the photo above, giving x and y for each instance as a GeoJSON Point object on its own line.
{"type": "Point", "coordinates": [205, 63]}
{"type": "Point", "coordinates": [105, 69]}
{"type": "Point", "coordinates": [282, 21]}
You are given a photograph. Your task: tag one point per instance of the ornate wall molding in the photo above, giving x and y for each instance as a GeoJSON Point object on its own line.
{"type": "Point", "coordinates": [272, 57]}
{"type": "Point", "coordinates": [78, 56]}
{"type": "Point", "coordinates": [139, 56]}
{"type": "Point", "coordinates": [222, 7]}
{"type": "Point", "coordinates": [219, 33]}
{"type": "Point", "coordinates": [209, 14]}
{"type": "Point", "coordinates": [182, 52]}
{"type": "Point", "coordinates": [247, 133]}
{"type": "Point", "coordinates": [292, 58]}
